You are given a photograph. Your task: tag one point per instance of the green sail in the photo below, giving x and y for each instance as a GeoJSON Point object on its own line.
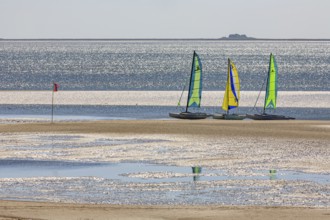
{"type": "Point", "coordinates": [271, 90]}
{"type": "Point", "coordinates": [195, 85]}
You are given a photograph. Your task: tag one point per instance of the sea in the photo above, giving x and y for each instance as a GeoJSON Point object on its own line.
{"type": "Point", "coordinates": [160, 66]}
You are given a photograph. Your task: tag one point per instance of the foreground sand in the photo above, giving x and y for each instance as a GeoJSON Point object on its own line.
{"type": "Point", "coordinates": [56, 211]}
{"type": "Point", "coordinates": [312, 130]}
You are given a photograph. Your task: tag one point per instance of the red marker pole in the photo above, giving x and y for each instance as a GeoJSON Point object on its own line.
{"type": "Point", "coordinates": [55, 88]}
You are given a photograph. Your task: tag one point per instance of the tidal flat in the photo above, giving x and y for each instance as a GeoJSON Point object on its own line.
{"type": "Point", "coordinates": [150, 163]}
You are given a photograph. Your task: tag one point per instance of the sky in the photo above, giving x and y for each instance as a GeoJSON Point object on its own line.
{"type": "Point", "coordinates": [164, 18]}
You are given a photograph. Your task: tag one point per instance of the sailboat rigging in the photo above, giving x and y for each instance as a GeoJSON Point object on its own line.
{"type": "Point", "coordinates": [194, 92]}
{"type": "Point", "coordinates": [232, 94]}
{"type": "Point", "coordinates": [271, 95]}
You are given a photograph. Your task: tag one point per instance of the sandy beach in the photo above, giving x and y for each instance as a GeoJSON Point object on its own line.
{"type": "Point", "coordinates": [56, 211]}
{"type": "Point", "coordinates": [217, 128]}
{"type": "Point", "coordinates": [309, 139]}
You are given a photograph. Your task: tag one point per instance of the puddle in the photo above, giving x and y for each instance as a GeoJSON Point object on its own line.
{"type": "Point", "coordinates": [144, 172]}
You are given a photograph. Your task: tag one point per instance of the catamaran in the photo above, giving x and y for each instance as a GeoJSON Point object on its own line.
{"type": "Point", "coordinates": [232, 95]}
{"type": "Point", "coordinates": [271, 95]}
{"type": "Point", "coordinates": [194, 92]}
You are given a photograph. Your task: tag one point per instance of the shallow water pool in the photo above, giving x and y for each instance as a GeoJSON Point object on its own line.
{"type": "Point", "coordinates": [158, 184]}
{"type": "Point", "coordinates": [143, 172]}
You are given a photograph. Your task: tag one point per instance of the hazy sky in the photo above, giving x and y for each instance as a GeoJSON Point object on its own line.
{"type": "Point", "coordinates": [164, 18]}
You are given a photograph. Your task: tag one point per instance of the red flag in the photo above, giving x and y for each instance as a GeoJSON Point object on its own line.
{"type": "Point", "coordinates": [56, 86]}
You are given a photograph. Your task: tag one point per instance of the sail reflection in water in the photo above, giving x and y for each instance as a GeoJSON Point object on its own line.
{"type": "Point", "coordinates": [196, 171]}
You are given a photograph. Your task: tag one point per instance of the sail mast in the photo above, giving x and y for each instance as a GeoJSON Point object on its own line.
{"type": "Point", "coordinates": [227, 86]}
{"type": "Point", "coordinates": [267, 83]}
{"type": "Point", "coordinates": [192, 70]}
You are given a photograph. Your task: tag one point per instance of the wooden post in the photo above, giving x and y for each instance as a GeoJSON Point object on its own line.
{"type": "Point", "coordinates": [53, 103]}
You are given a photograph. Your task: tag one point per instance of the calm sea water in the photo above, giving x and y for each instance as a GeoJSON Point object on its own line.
{"type": "Point", "coordinates": [97, 112]}
{"type": "Point", "coordinates": [159, 65]}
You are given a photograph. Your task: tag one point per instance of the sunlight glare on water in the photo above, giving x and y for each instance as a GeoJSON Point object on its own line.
{"type": "Point", "coordinates": [159, 65]}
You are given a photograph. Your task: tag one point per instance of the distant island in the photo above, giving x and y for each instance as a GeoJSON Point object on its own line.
{"type": "Point", "coordinates": [238, 37]}
{"type": "Point", "coordinates": [243, 37]}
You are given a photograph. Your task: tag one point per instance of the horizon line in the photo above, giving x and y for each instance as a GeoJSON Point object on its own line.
{"type": "Point", "coordinates": [164, 39]}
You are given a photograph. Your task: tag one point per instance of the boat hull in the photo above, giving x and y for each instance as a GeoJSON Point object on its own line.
{"type": "Point", "coordinates": [269, 117]}
{"type": "Point", "coordinates": [229, 116]}
{"type": "Point", "coordinates": [218, 116]}
{"type": "Point", "coordinates": [189, 115]}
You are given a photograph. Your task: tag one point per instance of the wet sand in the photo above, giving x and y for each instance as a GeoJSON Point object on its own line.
{"type": "Point", "coordinates": [215, 128]}
{"type": "Point", "coordinates": [207, 129]}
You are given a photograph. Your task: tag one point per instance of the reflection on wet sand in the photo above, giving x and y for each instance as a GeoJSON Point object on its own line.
{"type": "Point", "coordinates": [196, 171]}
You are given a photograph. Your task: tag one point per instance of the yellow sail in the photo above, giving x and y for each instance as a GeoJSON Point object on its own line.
{"type": "Point", "coordinates": [232, 93]}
